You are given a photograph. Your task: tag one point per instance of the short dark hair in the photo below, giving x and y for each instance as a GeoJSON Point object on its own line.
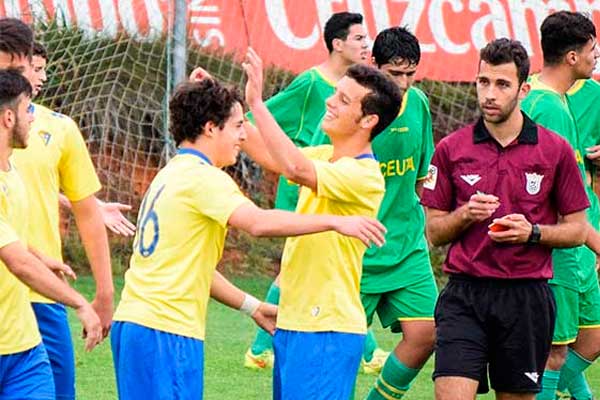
{"type": "Point", "coordinates": [384, 98]}
{"type": "Point", "coordinates": [39, 50]}
{"type": "Point", "coordinates": [338, 27]}
{"type": "Point", "coordinates": [565, 31]}
{"type": "Point", "coordinates": [12, 85]}
{"type": "Point", "coordinates": [195, 103]}
{"type": "Point", "coordinates": [396, 44]}
{"type": "Point", "coordinates": [505, 51]}
{"type": "Point", "coordinates": [16, 38]}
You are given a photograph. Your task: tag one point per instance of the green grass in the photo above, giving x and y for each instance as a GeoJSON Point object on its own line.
{"type": "Point", "coordinates": [228, 336]}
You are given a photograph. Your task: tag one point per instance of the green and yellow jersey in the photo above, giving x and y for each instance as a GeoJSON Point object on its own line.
{"type": "Point", "coordinates": [551, 110]}
{"type": "Point", "coordinates": [181, 229]}
{"type": "Point", "coordinates": [584, 98]}
{"type": "Point", "coordinates": [403, 151]}
{"type": "Point", "coordinates": [320, 273]}
{"type": "Point", "coordinates": [18, 327]}
{"type": "Point", "coordinates": [298, 110]}
{"type": "Point", "coordinates": [56, 159]}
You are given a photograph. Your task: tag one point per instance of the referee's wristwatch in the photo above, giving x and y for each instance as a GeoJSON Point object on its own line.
{"type": "Point", "coordinates": [536, 234]}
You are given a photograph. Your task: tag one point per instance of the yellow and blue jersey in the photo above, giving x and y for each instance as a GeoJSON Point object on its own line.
{"type": "Point", "coordinates": [180, 236]}
{"type": "Point", "coordinates": [56, 158]}
{"type": "Point", "coordinates": [18, 328]}
{"type": "Point", "coordinates": [320, 273]}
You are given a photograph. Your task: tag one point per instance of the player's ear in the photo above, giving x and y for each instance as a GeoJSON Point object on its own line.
{"type": "Point", "coordinates": [7, 118]}
{"type": "Point", "coordinates": [336, 44]}
{"type": "Point", "coordinates": [209, 129]}
{"type": "Point", "coordinates": [571, 58]}
{"type": "Point", "coordinates": [524, 90]}
{"type": "Point", "coordinates": [369, 121]}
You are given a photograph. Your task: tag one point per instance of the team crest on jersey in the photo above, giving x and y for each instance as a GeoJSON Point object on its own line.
{"type": "Point", "coordinates": [534, 183]}
{"type": "Point", "coordinates": [45, 137]}
{"type": "Point", "coordinates": [431, 179]}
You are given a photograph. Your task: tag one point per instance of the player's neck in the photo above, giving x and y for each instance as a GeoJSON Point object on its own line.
{"type": "Point", "coordinates": [351, 146]}
{"type": "Point", "coordinates": [558, 78]}
{"type": "Point", "coordinates": [203, 147]}
{"type": "Point", "coordinates": [506, 132]}
{"type": "Point", "coordinates": [334, 68]}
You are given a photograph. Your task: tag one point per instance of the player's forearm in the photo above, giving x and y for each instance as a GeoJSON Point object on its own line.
{"type": "Point", "coordinates": [226, 292]}
{"type": "Point", "coordinates": [95, 242]}
{"type": "Point", "coordinates": [30, 270]}
{"type": "Point", "coordinates": [287, 157]}
{"type": "Point", "coordinates": [593, 239]}
{"type": "Point", "coordinates": [443, 227]}
{"type": "Point", "coordinates": [564, 234]}
{"type": "Point", "coordinates": [278, 223]}
{"type": "Point", "coordinates": [255, 147]}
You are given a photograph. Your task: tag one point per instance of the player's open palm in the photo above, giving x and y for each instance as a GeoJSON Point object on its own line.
{"type": "Point", "coordinates": [368, 230]}
{"type": "Point", "coordinates": [253, 67]}
{"type": "Point", "coordinates": [265, 316]}
{"type": "Point", "coordinates": [92, 329]}
{"type": "Point", "coordinates": [112, 215]}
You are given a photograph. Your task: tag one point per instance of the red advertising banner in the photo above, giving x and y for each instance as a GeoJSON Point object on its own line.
{"type": "Point", "coordinates": [288, 33]}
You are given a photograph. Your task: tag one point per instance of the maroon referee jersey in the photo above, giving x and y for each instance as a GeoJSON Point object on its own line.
{"type": "Point", "coordinates": [536, 175]}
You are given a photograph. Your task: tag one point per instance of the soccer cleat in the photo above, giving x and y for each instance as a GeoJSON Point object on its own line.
{"type": "Point", "coordinates": [258, 362]}
{"type": "Point", "coordinates": [374, 366]}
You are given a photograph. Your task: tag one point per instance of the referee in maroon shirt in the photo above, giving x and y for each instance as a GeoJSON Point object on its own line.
{"type": "Point", "coordinates": [495, 193]}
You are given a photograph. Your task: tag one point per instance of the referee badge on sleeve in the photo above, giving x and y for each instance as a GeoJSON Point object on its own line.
{"type": "Point", "coordinates": [431, 179]}
{"type": "Point", "coordinates": [534, 183]}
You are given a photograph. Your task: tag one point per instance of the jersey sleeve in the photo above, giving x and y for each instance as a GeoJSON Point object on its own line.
{"type": "Point", "coordinates": [428, 146]}
{"type": "Point", "coordinates": [438, 190]}
{"type": "Point", "coordinates": [77, 175]}
{"type": "Point", "coordinates": [568, 191]}
{"type": "Point", "coordinates": [288, 106]}
{"type": "Point", "coordinates": [348, 180]}
{"type": "Point", "coordinates": [541, 110]}
{"type": "Point", "coordinates": [217, 196]}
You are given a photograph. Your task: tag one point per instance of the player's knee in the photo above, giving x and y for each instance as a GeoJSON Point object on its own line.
{"type": "Point", "coordinates": [423, 339]}
{"type": "Point", "coordinates": [557, 357]}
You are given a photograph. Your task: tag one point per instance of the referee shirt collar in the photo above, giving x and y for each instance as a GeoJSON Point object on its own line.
{"type": "Point", "coordinates": [528, 134]}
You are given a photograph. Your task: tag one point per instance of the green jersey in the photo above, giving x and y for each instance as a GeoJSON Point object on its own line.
{"type": "Point", "coordinates": [404, 151]}
{"type": "Point", "coordinates": [550, 109]}
{"type": "Point", "coordinates": [584, 98]}
{"type": "Point", "coordinates": [299, 109]}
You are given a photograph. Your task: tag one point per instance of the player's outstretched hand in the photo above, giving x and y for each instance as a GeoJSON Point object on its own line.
{"type": "Point", "coordinates": [265, 316]}
{"type": "Point", "coordinates": [368, 230]}
{"type": "Point", "coordinates": [481, 206]}
{"type": "Point", "coordinates": [92, 329]}
{"type": "Point", "coordinates": [103, 306]}
{"type": "Point", "coordinates": [254, 70]}
{"type": "Point", "coordinates": [112, 215]}
{"type": "Point", "coordinates": [518, 229]}
{"type": "Point", "coordinates": [199, 74]}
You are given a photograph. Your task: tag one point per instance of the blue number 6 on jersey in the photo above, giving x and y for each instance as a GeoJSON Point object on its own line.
{"type": "Point", "coordinates": [143, 221]}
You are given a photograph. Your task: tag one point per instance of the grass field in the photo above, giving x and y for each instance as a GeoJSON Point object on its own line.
{"type": "Point", "coordinates": [228, 336]}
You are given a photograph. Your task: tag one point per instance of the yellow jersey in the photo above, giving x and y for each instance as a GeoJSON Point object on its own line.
{"type": "Point", "coordinates": [18, 327]}
{"type": "Point", "coordinates": [181, 229]}
{"type": "Point", "coordinates": [56, 158]}
{"type": "Point", "coordinates": [320, 273]}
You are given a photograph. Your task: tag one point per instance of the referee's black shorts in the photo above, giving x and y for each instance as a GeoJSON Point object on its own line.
{"type": "Point", "coordinates": [504, 324]}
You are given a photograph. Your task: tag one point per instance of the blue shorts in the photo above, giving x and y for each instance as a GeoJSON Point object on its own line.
{"type": "Point", "coordinates": [151, 364]}
{"type": "Point", "coordinates": [315, 365]}
{"type": "Point", "coordinates": [26, 375]}
{"type": "Point", "coordinates": [56, 335]}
